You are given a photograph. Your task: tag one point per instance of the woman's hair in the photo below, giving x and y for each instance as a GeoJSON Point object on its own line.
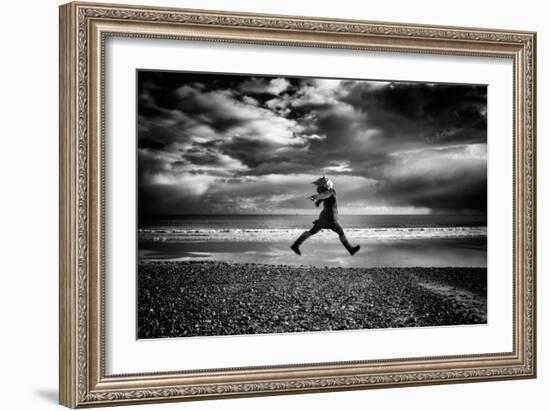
{"type": "Point", "coordinates": [324, 182]}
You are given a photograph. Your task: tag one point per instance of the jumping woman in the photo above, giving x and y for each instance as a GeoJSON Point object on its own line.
{"type": "Point", "coordinates": [327, 219]}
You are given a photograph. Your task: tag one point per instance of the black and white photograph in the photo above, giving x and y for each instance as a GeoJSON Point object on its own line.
{"type": "Point", "coordinates": [279, 204]}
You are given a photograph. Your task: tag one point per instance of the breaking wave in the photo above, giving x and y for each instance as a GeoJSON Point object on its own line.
{"type": "Point", "coordinates": [178, 235]}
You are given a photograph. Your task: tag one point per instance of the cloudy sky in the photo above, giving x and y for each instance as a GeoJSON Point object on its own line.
{"type": "Point", "coordinates": [224, 144]}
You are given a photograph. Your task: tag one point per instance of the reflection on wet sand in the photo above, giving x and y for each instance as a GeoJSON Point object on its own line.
{"type": "Point", "coordinates": [448, 252]}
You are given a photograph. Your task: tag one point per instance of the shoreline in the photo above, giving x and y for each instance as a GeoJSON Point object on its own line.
{"type": "Point", "coordinates": [208, 298]}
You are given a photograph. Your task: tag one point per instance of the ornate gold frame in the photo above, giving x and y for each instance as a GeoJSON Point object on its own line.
{"type": "Point", "coordinates": [83, 30]}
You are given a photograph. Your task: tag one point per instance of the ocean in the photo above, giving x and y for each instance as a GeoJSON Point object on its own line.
{"type": "Point", "coordinates": [386, 240]}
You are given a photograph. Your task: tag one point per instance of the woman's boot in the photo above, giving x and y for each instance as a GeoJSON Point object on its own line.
{"type": "Point", "coordinates": [296, 246]}
{"type": "Point", "coordinates": [351, 250]}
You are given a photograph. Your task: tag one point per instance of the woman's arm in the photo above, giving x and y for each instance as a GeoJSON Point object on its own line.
{"type": "Point", "coordinates": [321, 196]}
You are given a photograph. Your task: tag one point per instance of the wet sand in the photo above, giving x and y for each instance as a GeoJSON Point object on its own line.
{"type": "Point", "coordinates": [429, 252]}
{"type": "Point", "coordinates": [207, 298]}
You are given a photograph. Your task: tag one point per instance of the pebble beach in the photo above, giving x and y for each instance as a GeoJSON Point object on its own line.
{"type": "Point", "coordinates": [206, 298]}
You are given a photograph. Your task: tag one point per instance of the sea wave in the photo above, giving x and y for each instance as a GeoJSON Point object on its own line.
{"type": "Point", "coordinates": [178, 235]}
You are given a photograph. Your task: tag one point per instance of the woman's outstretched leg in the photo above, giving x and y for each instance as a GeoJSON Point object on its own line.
{"type": "Point", "coordinates": [303, 237]}
{"type": "Point", "coordinates": [296, 246]}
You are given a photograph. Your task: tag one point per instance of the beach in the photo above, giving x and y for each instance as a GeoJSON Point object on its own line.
{"type": "Point", "coordinates": [386, 241]}
{"type": "Point", "coordinates": [213, 298]}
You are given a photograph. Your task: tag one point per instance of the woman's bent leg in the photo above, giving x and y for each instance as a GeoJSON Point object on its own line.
{"type": "Point", "coordinates": [340, 231]}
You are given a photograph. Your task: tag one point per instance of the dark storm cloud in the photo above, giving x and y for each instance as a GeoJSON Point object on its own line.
{"type": "Point", "coordinates": [451, 178]}
{"type": "Point", "coordinates": [448, 113]}
{"type": "Point", "coordinates": [253, 143]}
{"type": "Point", "coordinates": [462, 192]}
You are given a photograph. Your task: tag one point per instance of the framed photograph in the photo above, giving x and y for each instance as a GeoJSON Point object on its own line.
{"type": "Point", "coordinates": [259, 204]}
